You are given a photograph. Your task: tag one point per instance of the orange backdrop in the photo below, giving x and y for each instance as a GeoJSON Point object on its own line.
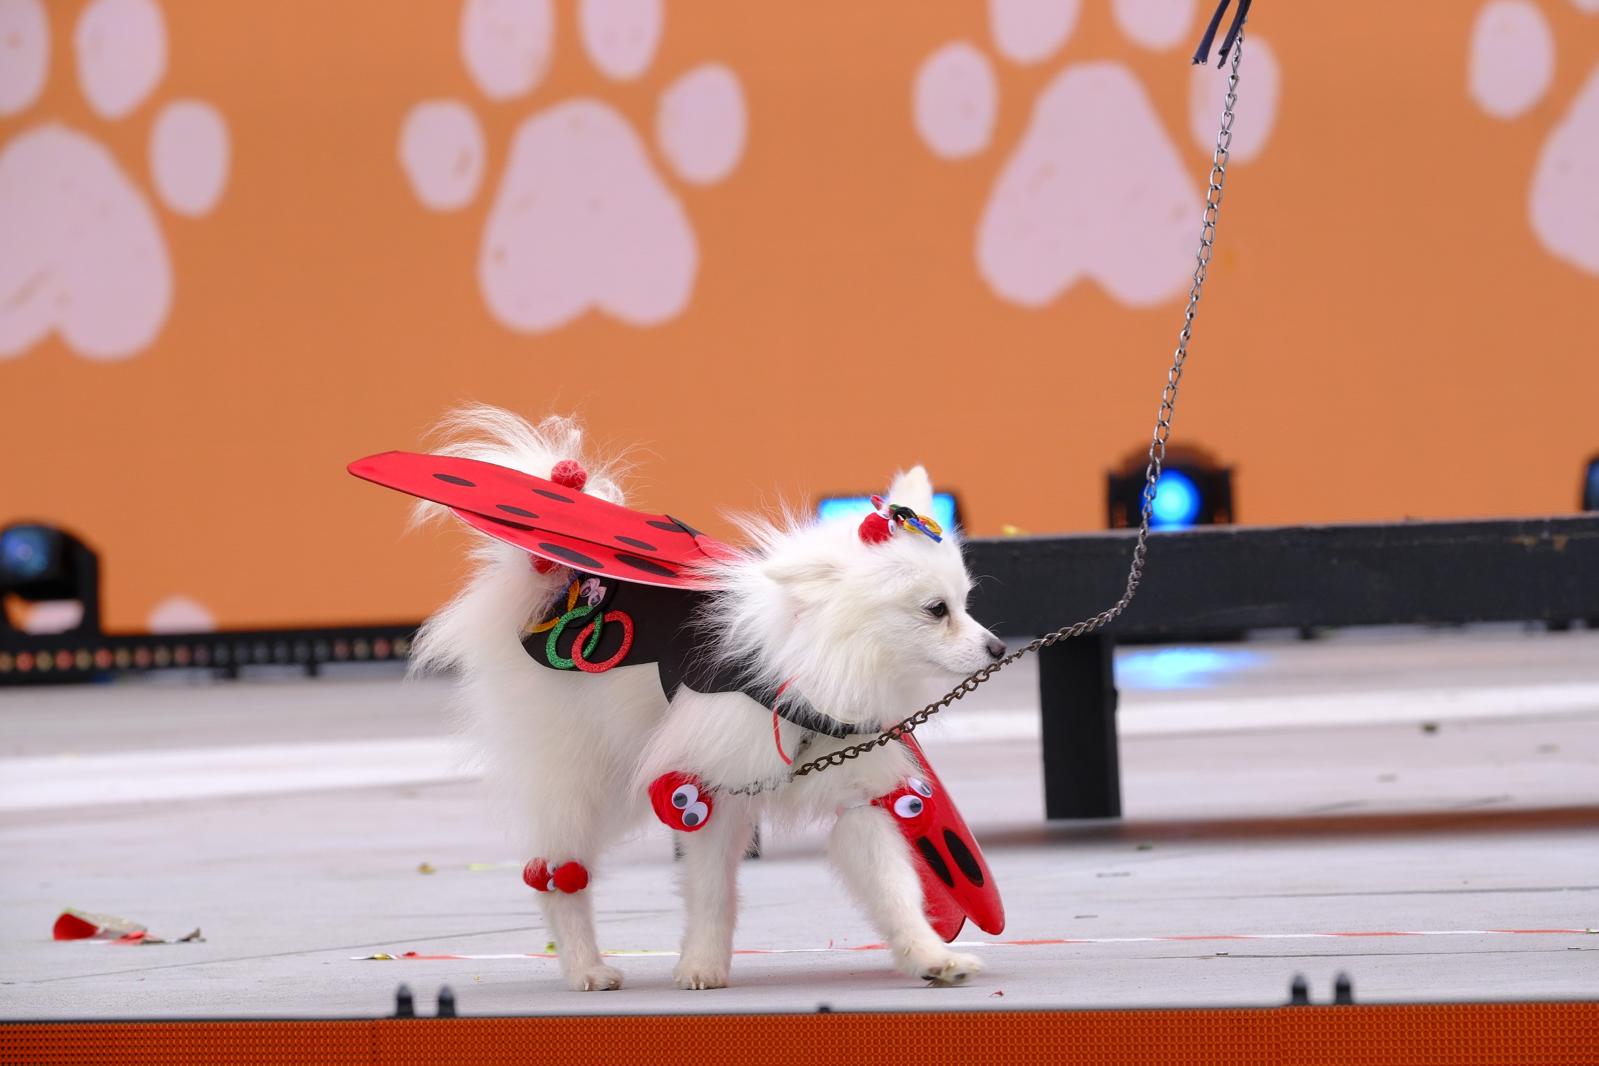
{"type": "Point", "coordinates": [1387, 333]}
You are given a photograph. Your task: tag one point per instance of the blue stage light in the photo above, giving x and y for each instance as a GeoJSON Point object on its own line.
{"type": "Point", "coordinates": [1194, 490]}
{"type": "Point", "coordinates": [945, 512]}
{"type": "Point", "coordinates": [28, 553]}
{"type": "Point", "coordinates": [1182, 667]}
{"type": "Point", "coordinates": [40, 563]}
{"type": "Point", "coordinates": [1590, 487]}
{"type": "Point", "coordinates": [1176, 501]}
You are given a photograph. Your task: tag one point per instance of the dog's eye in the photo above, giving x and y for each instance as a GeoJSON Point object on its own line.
{"type": "Point", "coordinates": [938, 609]}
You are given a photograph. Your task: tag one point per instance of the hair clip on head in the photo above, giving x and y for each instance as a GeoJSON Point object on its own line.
{"type": "Point", "coordinates": [887, 518]}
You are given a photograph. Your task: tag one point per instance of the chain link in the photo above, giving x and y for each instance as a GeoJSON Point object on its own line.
{"type": "Point", "coordinates": [1157, 459]}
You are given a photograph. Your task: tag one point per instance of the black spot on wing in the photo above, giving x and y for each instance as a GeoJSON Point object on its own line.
{"type": "Point", "coordinates": [935, 860]}
{"type": "Point", "coordinates": [506, 522]}
{"type": "Point", "coordinates": [634, 542]}
{"type": "Point", "coordinates": [675, 525]}
{"type": "Point", "coordinates": [576, 558]}
{"type": "Point", "coordinates": [453, 480]}
{"type": "Point", "coordinates": [511, 508]}
{"type": "Point", "coordinates": [556, 496]}
{"type": "Point", "coordinates": [685, 527]}
{"type": "Point", "coordinates": [645, 565]}
{"type": "Point", "coordinates": [963, 857]}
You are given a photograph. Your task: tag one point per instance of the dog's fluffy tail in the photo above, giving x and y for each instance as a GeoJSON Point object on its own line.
{"type": "Point", "coordinates": [482, 626]}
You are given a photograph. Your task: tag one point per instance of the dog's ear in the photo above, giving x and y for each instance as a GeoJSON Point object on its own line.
{"type": "Point", "coordinates": [806, 580]}
{"type": "Point", "coordinates": [914, 489]}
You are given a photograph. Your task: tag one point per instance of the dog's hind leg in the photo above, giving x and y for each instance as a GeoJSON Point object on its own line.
{"type": "Point", "coordinates": [710, 895]}
{"type": "Point", "coordinates": [877, 866]}
{"type": "Point", "coordinates": [570, 827]}
{"type": "Point", "coordinates": [570, 918]}
{"type": "Point", "coordinates": [560, 752]}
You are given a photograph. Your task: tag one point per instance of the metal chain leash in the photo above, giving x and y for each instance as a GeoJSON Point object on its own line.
{"type": "Point", "coordinates": [1157, 459]}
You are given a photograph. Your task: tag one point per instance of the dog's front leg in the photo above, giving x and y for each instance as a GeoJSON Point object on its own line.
{"type": "Point", "coordinates": [710, 895]}
{"type": "Point", "coordinates": [878, 869]}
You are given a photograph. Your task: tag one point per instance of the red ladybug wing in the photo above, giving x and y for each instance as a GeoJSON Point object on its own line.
{"type": "Point", "coordinates": [973, 891]}
{"type": "Point", "coordinates": [548, 520]}
{"type": "Point", "coordinates": [581, 554]}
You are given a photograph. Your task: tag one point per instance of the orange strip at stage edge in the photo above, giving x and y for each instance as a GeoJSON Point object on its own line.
{"type": "Point", "coordinates": [1504, 1034]}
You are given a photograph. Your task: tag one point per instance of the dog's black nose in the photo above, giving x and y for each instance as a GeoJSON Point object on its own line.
{"type": "Point", "coordinates": [996, 647]}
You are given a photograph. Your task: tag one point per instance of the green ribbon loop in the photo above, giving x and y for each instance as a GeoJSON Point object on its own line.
{"type": "Point", "coordinates": [575, 614]}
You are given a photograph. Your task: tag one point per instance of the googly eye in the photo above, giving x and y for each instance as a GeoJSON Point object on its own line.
{"type": "Point", "coordinates": [908, 806]}
{"type": "Point", "coordinates": [920, 787]}
{"type": "Point", "coordinates": [685, 795]}
{"type": "Point", "coordinates": [695, 814]}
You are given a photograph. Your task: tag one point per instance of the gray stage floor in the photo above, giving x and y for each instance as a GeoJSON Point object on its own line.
{"type": "Point", "coordinates": [1305, 797]}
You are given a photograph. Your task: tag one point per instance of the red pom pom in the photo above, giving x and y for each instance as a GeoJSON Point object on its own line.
{"type": "Point", "coordinates": [568, 473]}
{"type": "Point", "coordinates": [537, 875]}
{"type": "Point", "coordinates": [875, 529]}
{"type": "Point", "coordinates": [570, 877]}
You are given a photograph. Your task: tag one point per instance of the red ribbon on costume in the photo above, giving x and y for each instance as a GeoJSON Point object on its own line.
{"type": "Point", "coordinates": [777, 735]}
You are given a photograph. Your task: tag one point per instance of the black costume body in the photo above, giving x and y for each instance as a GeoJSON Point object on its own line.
{"type": "Point", "coordinates": [664, 632]}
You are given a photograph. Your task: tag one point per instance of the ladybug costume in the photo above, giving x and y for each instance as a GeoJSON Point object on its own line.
{"type": "Point", "coordinates": [638, 591]}
{"type": "Point", "coordinates": [637, 585]}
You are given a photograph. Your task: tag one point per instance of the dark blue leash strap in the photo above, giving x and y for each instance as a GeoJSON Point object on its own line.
{"type": "Point", "coordinates": [1202, 53]}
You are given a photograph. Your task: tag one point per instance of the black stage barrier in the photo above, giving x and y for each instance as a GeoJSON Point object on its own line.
{"type": "Point", "coordinates": [1218, 580]}
{"type": "Point", "coordinates": [1200, 583]}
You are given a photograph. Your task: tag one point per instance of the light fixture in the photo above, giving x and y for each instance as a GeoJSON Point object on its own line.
{"type": "Point", "coordinates": [44, 564]}
{"type": "Point", "coordinates": [1194, 490]}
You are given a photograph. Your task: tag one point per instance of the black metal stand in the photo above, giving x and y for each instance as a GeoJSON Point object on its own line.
{"type": "Point", "coordinates": [1077, 693]}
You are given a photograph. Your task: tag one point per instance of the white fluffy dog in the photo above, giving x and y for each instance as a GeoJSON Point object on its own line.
{"type": "Point", "coordinates": [863, 631]}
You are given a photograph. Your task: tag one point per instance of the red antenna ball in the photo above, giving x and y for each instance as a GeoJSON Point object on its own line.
{"type": "Point", "coordinates": [569, 473]}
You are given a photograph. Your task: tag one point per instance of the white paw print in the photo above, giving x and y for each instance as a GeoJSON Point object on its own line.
{"type": "Point", "coordinates": [180, 614]}
{"type": "Point", "coordinates": [82, 251]}
{"type": "Point", "coordinates": [582, 217]}
{"type": "Point", "coordinates": [1510, 69]}
{"type": "Point", "coordinates": [1096, 188]}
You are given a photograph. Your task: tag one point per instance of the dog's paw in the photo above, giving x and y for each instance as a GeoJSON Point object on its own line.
{"type": "Point", "coordinates": [694, 974]}
{"type": "Point", "coordinates": [598, 978]}
{"type": "Point", "coordinates": [944, 968]}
